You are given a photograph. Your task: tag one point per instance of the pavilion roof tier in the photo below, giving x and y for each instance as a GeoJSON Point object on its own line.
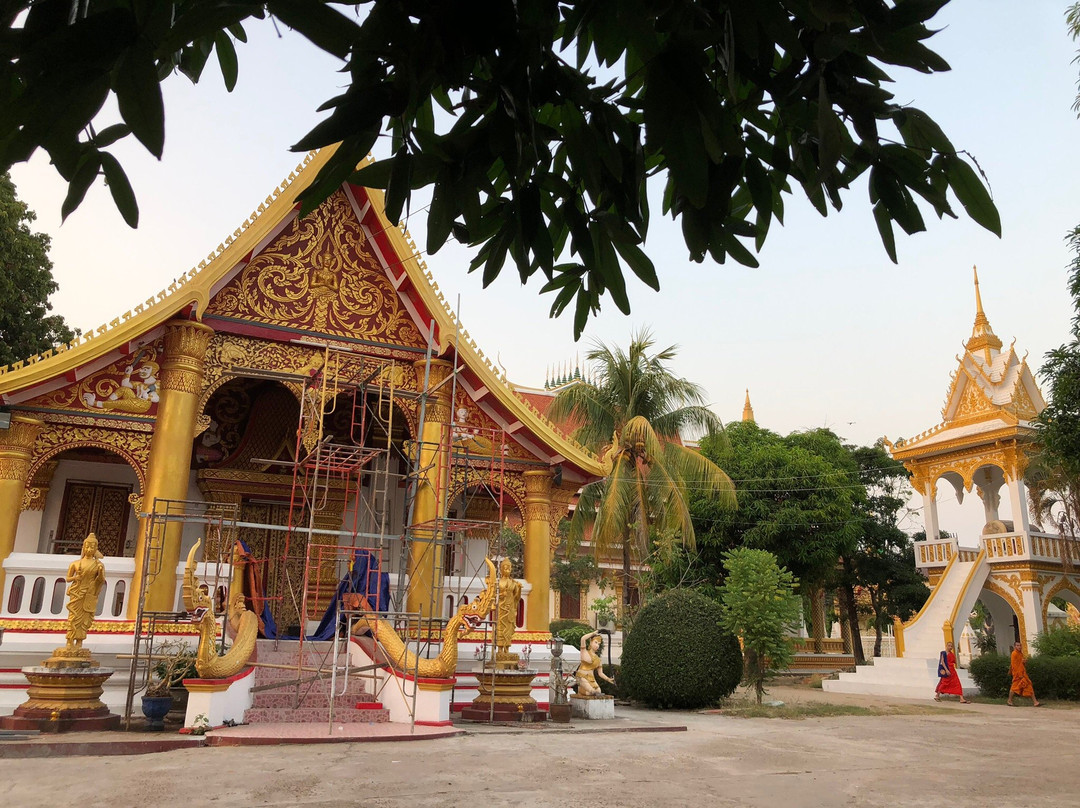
{"type": "Point", "coordinates": [992, 401]}
{"type": "Point", "coordinates": [392, 262]}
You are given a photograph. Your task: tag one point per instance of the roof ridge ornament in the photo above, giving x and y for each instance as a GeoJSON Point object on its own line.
{"type": "Point", "coordinates": [983, 337]}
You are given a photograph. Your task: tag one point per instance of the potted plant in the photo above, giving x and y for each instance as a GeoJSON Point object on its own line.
{"type": "Point", "coordinates": [604, 608]}
{"type": "Point", "coordinates": [174, 661]}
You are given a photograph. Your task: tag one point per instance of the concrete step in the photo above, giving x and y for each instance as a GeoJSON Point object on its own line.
{"type": "Point", "coordinates": [313, 715]}
{"type": "Point", "coordinates": [286, 697]}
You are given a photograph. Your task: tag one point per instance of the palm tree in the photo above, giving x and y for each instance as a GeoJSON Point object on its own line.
{"type": "Point", "coordinates": [632, 413]}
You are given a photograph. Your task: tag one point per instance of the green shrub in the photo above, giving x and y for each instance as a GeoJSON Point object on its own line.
{"type": "Point", "coordinates": [615, 672]}
{"type": "Point", "coordinates": [1059, 641]}
{"type": "Point", "coordinates": [676, 655]}
{"type": "Point", "coordinates": [991, 674]}
{"type": "Point", "coordinates": [557, 626]}
{"type": "Point", "coordinates": [572, 634]}
{"type": "Point", "coordinates": [1052, 677]}
{"type": "Point", "coordinates": [1055, 677]}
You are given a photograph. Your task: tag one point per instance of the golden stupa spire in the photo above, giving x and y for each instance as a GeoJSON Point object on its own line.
{"type": "Point", "coordinates": [983, 337]}
{"type": "Point", "coordinates": [747, 410]}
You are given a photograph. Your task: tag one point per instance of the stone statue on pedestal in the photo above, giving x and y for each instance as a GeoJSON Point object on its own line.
{"type": "Point", "coordinates": [591, 666]}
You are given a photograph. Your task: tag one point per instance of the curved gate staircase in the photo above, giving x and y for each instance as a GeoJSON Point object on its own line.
{"type": "Point", "coordinates": [914, 675]}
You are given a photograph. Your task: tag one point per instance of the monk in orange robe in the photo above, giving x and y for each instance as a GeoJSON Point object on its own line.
{"type": "Point", "coordinates": [1021, 683]}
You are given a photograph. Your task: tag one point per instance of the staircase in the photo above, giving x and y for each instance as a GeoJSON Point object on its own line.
{"type": "Point", "coordinates": [915, 675]}
{"type": "Point", "coordinates": [279, 705]}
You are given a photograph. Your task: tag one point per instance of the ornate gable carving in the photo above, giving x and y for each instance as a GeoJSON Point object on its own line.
{"type": "Point", "coordinates": [320, 274]}
{"type": "Point", "coordinates": [973, 402]}
{"type": "Point", "coordinates": [128, 386]}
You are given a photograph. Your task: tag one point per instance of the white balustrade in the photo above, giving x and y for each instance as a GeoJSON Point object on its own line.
{"type": "Point", "coordinates": [35, 586]}
{"type": "Point", "coordinates": [1047, 547]}
{"type": "Point", "coordinates": [934, 552]}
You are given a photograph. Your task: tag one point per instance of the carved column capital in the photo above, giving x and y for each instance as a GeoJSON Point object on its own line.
{"type": "Point", "coordinates": [17, 447]}
{"type": "Point", "coordinates": [438, 403]}
{"type": "Point", "coordinates": [537, 495]}
{"type": "Point", "coordinates": [184, 356]}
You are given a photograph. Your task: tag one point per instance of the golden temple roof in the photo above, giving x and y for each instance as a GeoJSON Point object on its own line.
{"type": "Point", "coordinates": [193, 290]}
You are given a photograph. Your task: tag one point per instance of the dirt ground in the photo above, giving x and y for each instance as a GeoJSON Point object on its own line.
{"type": "Point", "coordinates": [971, 756]}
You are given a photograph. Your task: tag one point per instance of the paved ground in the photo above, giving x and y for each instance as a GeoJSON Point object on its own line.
{"type": "Point", "coordinates": [970, 756]}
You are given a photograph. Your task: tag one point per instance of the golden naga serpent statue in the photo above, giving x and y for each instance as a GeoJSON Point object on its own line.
{"type": "Point", "coordinates": [242, 621]}
{"type": "Point", "coordinates": [401, 659]}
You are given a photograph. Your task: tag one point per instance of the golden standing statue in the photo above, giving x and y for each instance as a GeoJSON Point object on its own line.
{"type": "Point", "coordinates": [86, 576]}
{"type": "Point", "coordinates": [506, 615]}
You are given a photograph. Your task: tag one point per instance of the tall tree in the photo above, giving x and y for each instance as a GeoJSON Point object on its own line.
{"type": "Point", "coordinates": [536, 123]}
{"type": "Point", "coordinates": [1054, 476]}
{"type": "Point", "coordinates": [26, 282]}
{"type": "Point", "coordinates": [883, 564]}
{"type": "Point", "coordinates": [633, 414]}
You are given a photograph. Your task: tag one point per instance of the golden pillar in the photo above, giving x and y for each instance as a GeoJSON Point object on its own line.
{"type": "Point", "coordinates": [429, 502]}
{"type": "Point", "coordinates": [169, 465]}
{"type": "Point", "coordinates": [538, 548]}
{"type": "Point", "coordinates": [16, 449]}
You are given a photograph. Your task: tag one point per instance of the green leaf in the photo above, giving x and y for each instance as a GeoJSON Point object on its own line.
{"type": "Point", "coordinates": [226, 59]}
{"type": "Point", "coordinates": [111, 134]}
{"type": "Point", "coordinates": [884, 226]}
{"type": "Point", "coordinates": [639, 263]}
{"type": "Point", "coordinates": [138, 95]}
{"type": "Point", "coordinates": [325, 27]}
{"type": "Point", "coordinates": [971, 192]}
{"type": "Point", "coordinates": [85, 173]}
{"type": "Point", "coordinates": [120, 188]}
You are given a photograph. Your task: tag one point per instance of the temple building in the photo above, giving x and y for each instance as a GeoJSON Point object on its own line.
{"type": "Point", "coordinates": [1013, 567]}
{"type": "Point", "coordinates": [305, 390]}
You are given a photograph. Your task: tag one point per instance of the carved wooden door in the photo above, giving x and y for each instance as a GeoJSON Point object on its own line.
{"type": "Point", "coordinates": [98, 508]}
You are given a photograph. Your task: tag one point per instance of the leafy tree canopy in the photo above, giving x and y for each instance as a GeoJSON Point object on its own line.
{"type": "Point", "coordinates": [792, 499]}
{"type": "Point", "coordinates": [535, 123]}
{"type": "Point", "coordinates": [26, 282]}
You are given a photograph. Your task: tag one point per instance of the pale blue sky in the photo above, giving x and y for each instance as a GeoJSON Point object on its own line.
{"type": "Point", "coordinates": [827, 332]}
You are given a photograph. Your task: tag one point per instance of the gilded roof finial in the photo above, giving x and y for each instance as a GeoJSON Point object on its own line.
{"type": "Point", "coordinates": [747, 410]}
{"type": "Point", "coordinates": [983, 337]}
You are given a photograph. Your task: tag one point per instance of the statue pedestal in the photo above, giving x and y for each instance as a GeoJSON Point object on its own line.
{"type": "Point", "coordinates": [592, 708]}
{"type": "Point", "coordinates": [64, 696]}
{"type": "Point", "coordinates": [505, 696]}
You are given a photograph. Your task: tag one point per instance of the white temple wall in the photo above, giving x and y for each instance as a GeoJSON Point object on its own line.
{"type": "Point", "coordinates": [49, 519]}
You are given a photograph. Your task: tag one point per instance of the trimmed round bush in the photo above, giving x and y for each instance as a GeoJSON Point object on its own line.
{"type": "Point", "coordinates": [677, 656]}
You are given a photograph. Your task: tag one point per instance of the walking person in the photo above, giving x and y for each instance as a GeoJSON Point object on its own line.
{"type": "Point", "coordinates": [948, 680]}
{"type": "Point", "coordinates": [1021, 682]}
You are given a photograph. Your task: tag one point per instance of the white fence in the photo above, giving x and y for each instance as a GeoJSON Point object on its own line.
{"type": "Point", "coordinates": [35, 585]}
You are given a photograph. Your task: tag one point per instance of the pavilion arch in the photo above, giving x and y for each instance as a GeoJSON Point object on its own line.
{"type": "Point", "coordinates": [1067, 589]}
{"type": "Point", "coordinates": [1000, 601]}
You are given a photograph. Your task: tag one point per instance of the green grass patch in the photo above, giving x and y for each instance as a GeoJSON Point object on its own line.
{"type": "Point", "coordinates": [798, 710]}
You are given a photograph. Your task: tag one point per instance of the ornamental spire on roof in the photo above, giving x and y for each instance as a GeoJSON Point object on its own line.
{"type": "Point", "coordinates": [983, 337]}
{"type": "Point", "coordinates": [747, 410]}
